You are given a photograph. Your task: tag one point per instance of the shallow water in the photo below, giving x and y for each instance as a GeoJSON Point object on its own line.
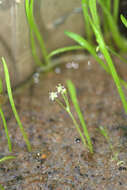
{"type": "Point", "coordinates": [59, 160]}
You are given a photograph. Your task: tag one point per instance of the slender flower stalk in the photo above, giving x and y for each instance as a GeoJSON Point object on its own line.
{"type": "Point", "coordinates": [54, 96]}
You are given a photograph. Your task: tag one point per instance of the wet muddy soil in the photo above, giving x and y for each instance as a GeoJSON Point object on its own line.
{"type": "Point", "coordinates": [58, 160]}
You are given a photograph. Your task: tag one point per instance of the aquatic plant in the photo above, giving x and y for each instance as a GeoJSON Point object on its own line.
{"type": "Point", "coordinates": [1, 187]}
{"type": "Point", "coordinates": [124, 20]}
{"type": "Point", "coordinates": [5, 158]}
{"type": "Point", "coordinates": [9, 91]}
{"type": "Point", "coordinates": [104, 132]}
{"type": "Point", "coordinates": [112, 30]}
{"type": "Point", "coordinates": [2, 99]}
{"type": "Point", "coordinates": [109, 23]}
{"type": "Point", "coordinates": [6, 129]}
{"type": "Point", "coordinates": [34, 33]}
{"type": "Point", "coordinates": [62, 91]}
{"type": "Point", "coordinates": [94, 21]}
{"type": "Point", "coordinates": [88, 29]}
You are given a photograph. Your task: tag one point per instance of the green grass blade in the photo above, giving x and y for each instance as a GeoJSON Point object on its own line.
{"type": "Point", "coordinates": [87, 46]}
{"type": "Point", "coordinates": [78, 128]}
{"type": "Point", "coordinates": [124, 20]}
{"type": "Point", "coordinates": [72, 92]}
{"type": "Point", "coordinates": [88, 30]}
{"type": "Point", "coordinates": [65, 49]}
{"type": "Point", "coordinates": [7, 79]}
{"type": "Point", "coordinates": [115, 77]}
{"type": "Point", "coordinates": [93, 10]}
{"type": "Point", "coordinates": [116, 54]}
{"type": "Point", "coordinates": [1, 187]}
{"type": "Point", "coordinates": [37, 34]}
{"type": "Point", "coordinates": [116, 10]}
{"type": "Point", "coordinates": [6, 129]}
{"type": "Point", "coordinates": [108, 3]}
{"type": "Point", "coordinates": [92, 50]}
{"type": "Point", "coordinates": [104, 132]}
{"type": "Point", "coordinates": [32, 41]}
{"type": "Point", "coordinates": [80, 40]}
{"type": "Point", "coordinates": [110, 64]}
{"type": "Point", "coordinates": [7, 158]}
{"type": "Point", "coordinates": [118, 39]}
{"type": "Point", "coordinates": [34, 50]}
{"type": "Point", "coordinates": [1, 86]}
{"type": "Point", "coordinates": [34, 31]}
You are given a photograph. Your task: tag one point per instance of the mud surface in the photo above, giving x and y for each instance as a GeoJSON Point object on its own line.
{"type": "Point", "coordinates": [58, 160]}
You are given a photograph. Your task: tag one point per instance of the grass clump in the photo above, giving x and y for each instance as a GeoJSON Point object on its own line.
{"type": "Point", "coordinates": [35, 34]}
{"type": "Point", "coordinates": [62, 91]}
{"type": "Point", "coordinates": [94, 22]}
{"type": "Point", "coordinates": [9, 91]}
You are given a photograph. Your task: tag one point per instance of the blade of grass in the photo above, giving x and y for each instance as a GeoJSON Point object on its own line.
{"type": "Point", "coordinates": [34, 31]}
{"type": "Point", "coordinates": [116, 54]}
{"type": "Point", "coordinates": [93, 10]}
{"type": "Point", "coordinates": [124, 20]}
{"type": "Point", "coordinates": [104, 132]}
{"type": "Point", "coordinates": [88, 30]}
{"type": "Point", "coordinates": [92, 50]}
{"type": "Point", "coordinates": [32, 41]}
{"type": "Point", "coordinates": [77, 127]}
{"type": "Point", "coordinates": [34, 50]}
{"type": "Point", "coordinates": [4, 120]}
{"type": "Point", "coordinates": [72, 92]}
{"type": "Point", "coordinates": [38, 35]}
{"type": "Point", "coordinates": [7, 158]}
{"type": "Point", "coordinates": [7, 79]}
{"type": "Point", "coordinates": [65, 49]}
{"type": "Point", "coordinates": [116, 10]}
{"type": "Point", "coordinates": [1, 86]}
{"type": "Point", "coordinates": [1, 187]}
{"type": "Point", "coordinates": [108, 3]}
{"type": "Point", "coordinates": [118, 39]}
{"type": "Point", "coordinates": [87, 46]}
{"type": "Point", "coordinates": [6, 129]}
{"type": "Point", "coordinates": [109, 61]}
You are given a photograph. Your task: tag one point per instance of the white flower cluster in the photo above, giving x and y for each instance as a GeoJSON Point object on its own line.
{"type": "Point", "coordinates": [60, 90]}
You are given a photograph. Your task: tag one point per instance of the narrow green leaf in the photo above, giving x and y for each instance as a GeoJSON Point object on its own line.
{"type": "Point", "coordinates": [1, 86]}
{"type": "Point", "coordinates": [1, 187]}
{"type": "Point", "coordinates": [118, 39]}
{"type": "Point", "coordinates": [88, 30]}
{"type": "Point", "coordinates": [124, 20]}
{"type": "Point", "coordinates": [6, 129]}
{"type": "Point", "coordinates": [65, 49]}
{"type": "Point", "coordinates": [110, 64]}
{"type": "Point", "coordinates": [72, 92]}
{"type": "Point", "coordinates": [7, 158]}
{"type": "Point", "coordinates": [8, 84]}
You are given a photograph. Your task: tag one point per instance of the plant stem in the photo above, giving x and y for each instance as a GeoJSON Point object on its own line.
{"type": "Point", "coordinates": [87, 25]}
{"type": "Point", "coordinates": [8, 84]}
{"type": "Point", "coordinates": [74, 99]}
{"type": "Point", "coordinates": [6, 129]}
{"type": "Point", "coordinates": [78, 128]}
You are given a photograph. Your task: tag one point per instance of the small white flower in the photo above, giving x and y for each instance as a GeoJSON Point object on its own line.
{"type": "Point", "coordinates": [61, 89]}
{"type": "Point", "coordinates": [53, 96]}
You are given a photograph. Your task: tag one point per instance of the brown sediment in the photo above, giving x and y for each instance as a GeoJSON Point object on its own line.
{"type": "Point", "coordinates": [59, 160]}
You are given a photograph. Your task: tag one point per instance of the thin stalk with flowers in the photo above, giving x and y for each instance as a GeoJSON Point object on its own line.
{"type": "Point", "coordinates": [54, 96]}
